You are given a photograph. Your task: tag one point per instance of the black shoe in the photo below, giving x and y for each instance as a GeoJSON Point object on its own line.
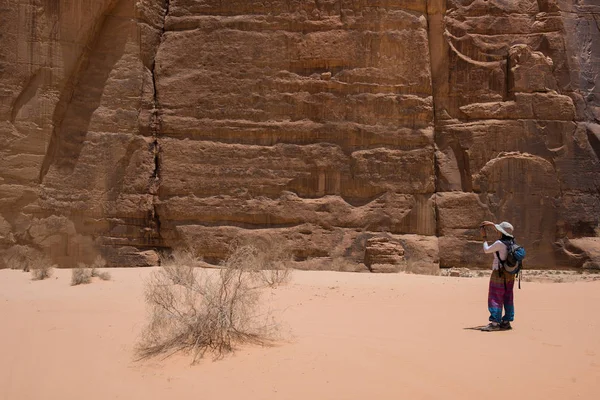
{"type": "Point", "coordinates": [491, 327]}
{"type": "Point", "coordinates": [505, 325]}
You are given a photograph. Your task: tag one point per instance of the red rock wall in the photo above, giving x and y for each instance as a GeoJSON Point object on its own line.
{"type": "Point", "coordinates": [130, 126]}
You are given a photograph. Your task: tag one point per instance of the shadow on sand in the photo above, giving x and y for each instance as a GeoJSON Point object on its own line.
{"type": "Point", "coordinates": [482, 329]}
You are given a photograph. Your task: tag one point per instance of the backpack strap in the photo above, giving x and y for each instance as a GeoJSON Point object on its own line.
{"type": "Point", "coordinates": [501, 268]}
{"type": "Point", "coordinates": [499, 259]}
{"type": "Point", "coordinates": [520, 272]}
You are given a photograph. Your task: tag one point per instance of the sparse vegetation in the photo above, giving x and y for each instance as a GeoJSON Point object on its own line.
{"type": "Point", "coordinates": [276, 277]}
{"type": "Point", "coordinates": [41, 268]}
{"type": "Point", "coordinates": [179, 266]}
{"type": "Point", "coordinates": [268, 262]}
{"type": "Point", "coordinates": [81, 275]}
{"type": "Point", "coordinates": [181, 257]}
{"type": "Point", "coordinates": [20, 257]}
{"type": "Point", "coordinates": [198, 311]}
{"type": "Point", "coordinates": [104, 275]}
{"type": "Point", "coordinates": [98, 263]}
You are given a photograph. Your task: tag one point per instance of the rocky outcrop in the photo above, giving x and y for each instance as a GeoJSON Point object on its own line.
{"type": "Point", "coordinates": [384, 255]}
{"type": "Point", "coordinates": [130, 127]}
{"type": "Point", "coordinates": [511, 125]}
{"type": "Point", "coordinates": [77, 106]}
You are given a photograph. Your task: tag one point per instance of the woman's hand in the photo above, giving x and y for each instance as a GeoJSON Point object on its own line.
{"type": "Point", "coordinates": [482, 232]}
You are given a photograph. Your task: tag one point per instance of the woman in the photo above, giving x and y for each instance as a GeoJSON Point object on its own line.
{"type": "Point", "coordinates": [500, 293]}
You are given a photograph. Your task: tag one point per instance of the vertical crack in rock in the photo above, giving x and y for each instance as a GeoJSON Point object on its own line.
{"type": "Point", "coordinates": [431, 66]}
{"type": "Point", "coordinates": [429, 10]}
{"type": "Point", "coordinates": [508, 95]}
{"type": "Point", "coordinates": [156, 126]}
{"type": "Point", "coordinates": [464, 164]}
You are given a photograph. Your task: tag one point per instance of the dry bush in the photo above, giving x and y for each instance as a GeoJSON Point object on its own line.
{"type": "Point", "coordinates": [41, 268]}
{"type": "Point", "coordinates": [179, 265]}
{"type": "Point", "coordinates": [276, 277]}
{"type": "Point", "coordinates": [20, 257]}
{"type": "Point", "coordinates": [104, 275]}
{"type": "Point", "coordinates": [185, 257]}
{"type": "Point", "coordinates": [268, 262]}
{"type": "Point", "coordinates": [81, 275]}
{"type": "Point", "coordinates": [180, 274]}
{"type": "Point", "coordinates": [98, 263]}
{"type": "Point", "coordinates": [205, 312]}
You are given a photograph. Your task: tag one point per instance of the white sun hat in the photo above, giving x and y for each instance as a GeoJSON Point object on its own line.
{"type": "Point", "coordinates": [505, 228]}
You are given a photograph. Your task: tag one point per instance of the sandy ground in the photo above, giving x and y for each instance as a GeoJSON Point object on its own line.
{"type": "Point", "coordinates": [350, 336]}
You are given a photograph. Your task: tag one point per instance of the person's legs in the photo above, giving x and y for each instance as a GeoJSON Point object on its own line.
{"type": "Point", "coordinates": [508, 298]}
{"type": "Point", "coordinates": [496, 297]}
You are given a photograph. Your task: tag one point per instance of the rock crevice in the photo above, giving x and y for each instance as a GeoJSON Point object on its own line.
{"type": "Point", "coordinates": [156, 129]}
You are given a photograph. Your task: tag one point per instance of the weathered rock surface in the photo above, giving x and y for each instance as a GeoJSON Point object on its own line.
{"type": "Point", "coordinates": [384, 255]}
{"type": "Point", "coordinates": [587, 250]}
{"type": "Point", "coordinates": [128, 127]}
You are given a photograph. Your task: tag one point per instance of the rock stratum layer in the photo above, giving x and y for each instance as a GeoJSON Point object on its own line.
{"type": "Point", "coordinates": [354, 132]}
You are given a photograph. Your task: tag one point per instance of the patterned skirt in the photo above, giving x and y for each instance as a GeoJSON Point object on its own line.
{"type": "Point", "coordinates": [500, 295]}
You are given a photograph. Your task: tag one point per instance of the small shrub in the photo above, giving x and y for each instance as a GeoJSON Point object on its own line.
{"type": "Point", "coordinates": [98, 262]}
{"type": "Point", "coordinates": [185, 257]}
{"type": "Point", "coordinates": [41, 269]}
{"type": "Point", "coordinates": [104, 275]}
{"type": "Point", "coordinates": [269, 262]}
{"type": "Point", "coordinates": [179, 266]}
{"type": "Point", "coordinates": [95, 272]}
{"type": "Point", "coordinates": [20, 257]}
{"type": "Point", "coordinates": [180, 274]}
{"type": "Point", "coordinates": [276, 277]}
{"type": "Point", "coordinates": [81, 275]}
{"type": "Point", "coordinates": [202, 312]}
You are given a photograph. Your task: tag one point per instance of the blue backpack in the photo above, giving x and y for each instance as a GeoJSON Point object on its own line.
{"type": "Point", "coordinates": [514, 259]}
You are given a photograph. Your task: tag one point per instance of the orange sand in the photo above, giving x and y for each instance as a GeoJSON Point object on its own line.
{"type": "Point", "coordinates": [353, 336]}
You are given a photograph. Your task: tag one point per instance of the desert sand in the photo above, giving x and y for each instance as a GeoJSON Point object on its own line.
{"type": "Point", "coordinates": [345, 336]}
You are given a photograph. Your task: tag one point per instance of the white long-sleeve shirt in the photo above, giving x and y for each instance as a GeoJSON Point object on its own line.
{"type": "Point", "coordinates": [499, 247]}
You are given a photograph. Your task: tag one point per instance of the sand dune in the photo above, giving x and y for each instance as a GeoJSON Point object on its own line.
{"type": "Point", "coordinates": [348, 336]}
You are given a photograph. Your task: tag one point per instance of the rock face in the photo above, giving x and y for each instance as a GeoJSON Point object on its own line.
{"type": "Point", "coordinates": [341, 127]}
{"type": "Point", "coordinates": [384, 255]}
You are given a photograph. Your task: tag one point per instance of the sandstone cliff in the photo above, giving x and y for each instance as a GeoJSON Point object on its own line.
{"type": "Point", "coordinates": [344, 129]}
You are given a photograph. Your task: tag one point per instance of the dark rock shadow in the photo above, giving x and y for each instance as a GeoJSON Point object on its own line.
{"type": "Point", "coordinates": [83, 93]}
